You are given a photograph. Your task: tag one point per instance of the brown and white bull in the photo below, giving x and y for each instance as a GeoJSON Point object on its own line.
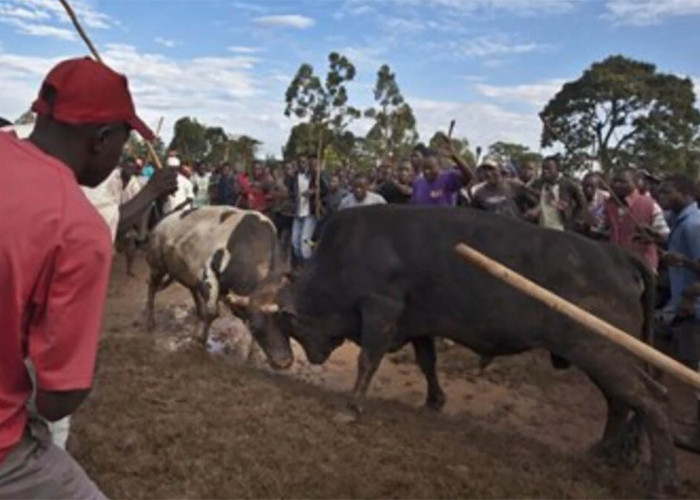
{"type": "Point", "coordinates": [219, 254]}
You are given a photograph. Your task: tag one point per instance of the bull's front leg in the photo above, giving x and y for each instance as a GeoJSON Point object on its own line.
{"type": "Point", "coordinates": [154, 285]}
{"type": "Point", "coordinates": [424, 348]}
{"type": "Point", "coordinates": [206, 295]}
{"type": "Point", "coordinates": [379, 320]}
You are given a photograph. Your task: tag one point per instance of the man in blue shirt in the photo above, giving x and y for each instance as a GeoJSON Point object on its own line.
{"type": "Point", "coordinates": [677, 194]}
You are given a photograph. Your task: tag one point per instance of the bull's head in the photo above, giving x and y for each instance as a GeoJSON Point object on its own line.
{"type": "Point", "coordinates": [262, 311]}
{"type": "Point", "coordinates": [274, 319]}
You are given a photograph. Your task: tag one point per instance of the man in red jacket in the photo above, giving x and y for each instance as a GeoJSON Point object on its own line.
{"type": "Point", "coordinates": [55, 257]}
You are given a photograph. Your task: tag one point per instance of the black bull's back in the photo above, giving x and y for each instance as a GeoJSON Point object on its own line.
{"type": "Point", "coordinates": [407, 254]}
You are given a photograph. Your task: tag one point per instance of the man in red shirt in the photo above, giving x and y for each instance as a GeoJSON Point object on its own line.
{"type": "Point", "coordinates": [638, 212]}
{"type": "Point", "coordinates": [55, 257]}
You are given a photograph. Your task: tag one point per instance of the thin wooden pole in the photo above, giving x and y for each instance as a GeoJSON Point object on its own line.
{"type": "Point", "coordinates": [150, 151]}
{"type": "Point", "coordinates": [586, 319]}
{"type": "Point", "coordinates": [96, 55]}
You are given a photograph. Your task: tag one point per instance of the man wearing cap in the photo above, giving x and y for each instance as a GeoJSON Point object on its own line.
{"type": "Point", "coordinates": [55, 257]}
{"type": "Point", "coordinates": [508, 197]}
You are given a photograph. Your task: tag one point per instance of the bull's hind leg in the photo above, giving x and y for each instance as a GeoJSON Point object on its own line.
{"type": "Point", "coordinates": [424, 348]}
{"type": "Point", "coordinates": [622, 380]}
{"type": "Point", "coordinates": [621, 439]}
{"type": "Point", "coordinates": [154, 286]}
{"type": "Point", "coordinates": [379, 317]}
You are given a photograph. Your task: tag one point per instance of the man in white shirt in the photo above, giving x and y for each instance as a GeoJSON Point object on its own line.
{"type": "Point", "coordinates": [184, 193]}
{"type": "Point", "coordinates": [304, 219]}
{"type": "Point", "coordinates": [200, 184]}
{"type": "Point", "coordinates": [361, 196]}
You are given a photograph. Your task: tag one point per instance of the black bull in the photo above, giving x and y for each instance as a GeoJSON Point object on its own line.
{"type": "Point", "coordinates": [386, 276]}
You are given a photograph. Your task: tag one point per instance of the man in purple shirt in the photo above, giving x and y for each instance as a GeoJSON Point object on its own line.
{"type": "Point", "coordinates": [440, 188]}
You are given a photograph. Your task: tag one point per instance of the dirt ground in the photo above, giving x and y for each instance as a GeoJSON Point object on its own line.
{"type": "Point", "coordinates": [168, 420]}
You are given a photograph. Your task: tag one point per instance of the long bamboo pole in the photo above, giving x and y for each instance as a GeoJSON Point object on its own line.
{"type": "Point", "coordinates": [96, 55]}
{"type": "Point", "coordinates": [590, 321]}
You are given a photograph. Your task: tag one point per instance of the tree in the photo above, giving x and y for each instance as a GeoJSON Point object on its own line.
{"type": "Point", "coordinates": [27, 118]}
{"type": "Point", "coordinates": [303, 140]}
{"type": "Point", "coordinates": [620, 111]}
{"type": "Point", "coordinates": [218, 147]}
{"type": "Point", "coordinates": [189, 139]}
{"type": "Point", "coordinates": [394, 131]}
{"type": "Point", "coordinates": [461, 146]}
{"type": "Point", "coordinates": [136, 147]}
{"type": "Point", "coordinates": [324, 105]}
{"type": "Point", "coordinates": [513, 152]}
{"type": "Point", "coordinates": [243, 149]}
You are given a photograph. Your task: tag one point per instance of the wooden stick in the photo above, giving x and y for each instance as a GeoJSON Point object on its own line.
{"type": "Point", "coordinates": [81, 32]}
{"type": "Point", "coordinates": [450, 130]}
{"type": "Point", "coordinates": [96, 55]}
{"type": "Point", "coordinates": [317, 183]}
{"type": "Point", "coordinates": [150, 151]}
{"type": "Point", "coordinates": [590, 321]}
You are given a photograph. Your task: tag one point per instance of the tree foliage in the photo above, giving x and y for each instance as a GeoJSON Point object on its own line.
{"type": "Point", "coordinates": [394, 131]}
{"type": "Point", "coordinates": [461, 146]}
{"type": "Point", "coordinates": [195, 141]}
{"type": "Point", "coordinates": [322, 105]}
{"type": "Point", "coordinates": [513, 152]}
{"type": "Point", "coordinates": [136, 147]}
{"type": "Point", "coordinates": [621, 111]}
{"type": "Point", "coordinates": [27, 118]}
{"type": "Point", "coordinates": [189, 139]}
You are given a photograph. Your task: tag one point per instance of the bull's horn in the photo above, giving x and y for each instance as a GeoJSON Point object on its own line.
{"type": "Point", "coordinates": [269, 308]}
{"type": "Point", "coordinates": [238, 300]}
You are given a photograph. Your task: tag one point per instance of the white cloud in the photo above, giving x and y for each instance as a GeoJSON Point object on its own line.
{"type": "Point", "coordinates": [287, 20]}
{"type": "Point", "coordinates": [35, 29]}
{"type": "Point", "coordinates": [405, 24]}
{"type": "Point", "coordinates": [166, 42]}
{"type": "Point", "coordinates": [46, 18]}
{"type": "Point", "coordinates": [219, 91]}
{"type": "Point", "coordinates": [535, 94]}
{"type": "Point", "coordinates": [478, 7]}
{"type": "Point", "coordinates": [368, 57]}
{"type": "Point", "coordinates": [495, 45]}
{"type": "Point", "coordinates": [15, 12]}
{"type": "Point", "coordinates": [648, 12]}
{"type": "Point", "coordinates": [242, 49]}
{"type": "Point", "coordinates": [249, 7]}
{"type": "Point", "coordinates": [481, 123]}
{"type": "Point", "coordinates": [87, 13]}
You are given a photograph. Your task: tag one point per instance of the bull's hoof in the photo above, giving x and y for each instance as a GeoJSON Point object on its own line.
{"type": "Point", "coordinates": [622, 450]}
{"type": "Point", "coordinates": [436, 402]}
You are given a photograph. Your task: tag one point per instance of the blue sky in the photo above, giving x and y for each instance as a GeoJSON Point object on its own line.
{"type": "Point", "coordinates": [489, 64]}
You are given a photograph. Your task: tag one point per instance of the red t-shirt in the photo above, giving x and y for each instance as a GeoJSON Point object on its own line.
{"type": "Point", "coordinates": [55, 257]}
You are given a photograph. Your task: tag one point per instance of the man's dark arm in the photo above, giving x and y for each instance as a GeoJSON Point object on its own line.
{"type": "Point", "coordinates": [163, 182]}
{"type": "Point", "coordinates": [55, 405]}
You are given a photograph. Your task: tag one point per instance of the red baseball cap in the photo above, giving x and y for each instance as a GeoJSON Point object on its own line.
{"type": "Point", "coordinates": [88, 91]}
